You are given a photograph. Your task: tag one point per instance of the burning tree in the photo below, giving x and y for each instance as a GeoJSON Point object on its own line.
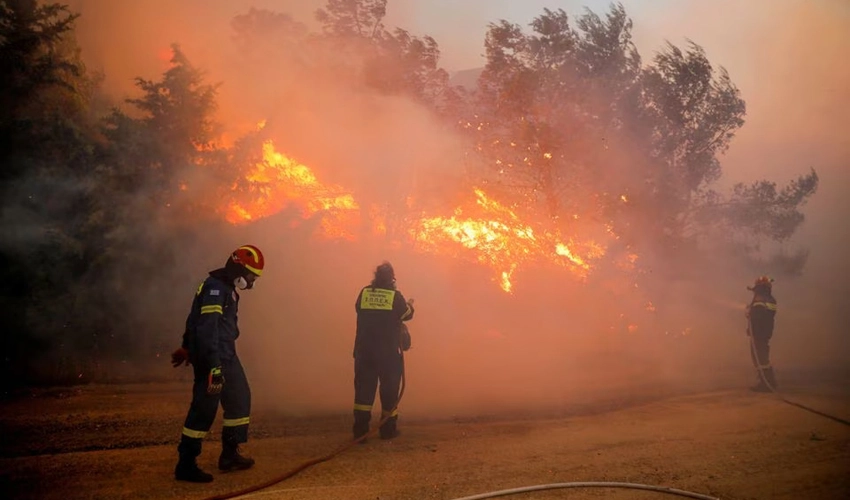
{"type": "Point", "coordinates": [584, 149]}
{"type": "Point", "coordinates": [580, 157]}
{"type": "Point", "coordinates": [571, 111]}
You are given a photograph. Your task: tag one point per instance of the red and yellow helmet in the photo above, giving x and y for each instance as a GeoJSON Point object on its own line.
{"type": "Point", "coordinates": [763, 281]}
{"type": "Point", "coordinates": [249, 257]}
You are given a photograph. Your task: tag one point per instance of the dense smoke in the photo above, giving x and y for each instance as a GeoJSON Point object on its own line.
{"type": "Point", "coordinates": [556, 340]}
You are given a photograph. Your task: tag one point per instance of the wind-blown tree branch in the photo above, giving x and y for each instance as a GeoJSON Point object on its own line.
{"type": "Point", "coordinates": [409, 65]}
{"type": "Point", "coordinates": [568, 118]}
{"type": "Point", "coordinates": [689, 117]}
{"type": "Point", "coordinates": [155, 152]}
{"type": "Point", "coordinates": [762, 210]}
{"type": "Point", "coordinates": [546, 101]}
{"type": "Point", "coordinates": [353, 18]}
{"type": "Point", "coordinates": [391, 62]}
{"type": "Point", "coordinates": [759, 213]}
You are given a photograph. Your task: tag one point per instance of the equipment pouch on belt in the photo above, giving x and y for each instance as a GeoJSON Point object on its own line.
{"type": "Point", "coordinates": [404, 338]}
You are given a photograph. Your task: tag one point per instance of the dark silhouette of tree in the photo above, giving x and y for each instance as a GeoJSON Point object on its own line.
{"type": "Point", "coordinates": [47, 140]}
{"type": "Point", "coordinates": [40, 77]}
{"type": "Point", "coordinates": [163, 176]}
{"type": "Point", "coordinates": [174, 132]}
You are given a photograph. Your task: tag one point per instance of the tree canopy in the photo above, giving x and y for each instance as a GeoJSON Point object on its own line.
{"type": "Point", "coordinates": [564, 118]}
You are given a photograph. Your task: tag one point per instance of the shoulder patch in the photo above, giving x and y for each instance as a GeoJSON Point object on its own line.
{"type": "Point", "coordinates": [214, 291]}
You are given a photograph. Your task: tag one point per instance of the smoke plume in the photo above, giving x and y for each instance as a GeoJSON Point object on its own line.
{"type": "Point", "coordinates": [556, 341]}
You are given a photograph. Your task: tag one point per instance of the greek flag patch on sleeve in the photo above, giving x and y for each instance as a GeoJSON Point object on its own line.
{"type": "Point", "coordinates": [214, 291]}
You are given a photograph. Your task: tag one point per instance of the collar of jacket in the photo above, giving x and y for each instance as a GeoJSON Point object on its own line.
{"type": "Point", "coordinates": [222, 276]}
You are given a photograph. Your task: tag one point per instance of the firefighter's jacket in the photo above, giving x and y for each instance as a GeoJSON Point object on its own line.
{"type": "Point", "coordinates": [762, 311]}
{"type": "Point", "coordinates": [211, 327]}
{"type": "Point", "coordinates": [380, 312]}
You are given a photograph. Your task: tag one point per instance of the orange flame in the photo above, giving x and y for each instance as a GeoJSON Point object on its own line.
{"type": "Point", "coordinates": [485, 231]}
{"type": "Point", "coordinates": [279, 181]}
{"type": "Point", "coordinates": [500, 240]}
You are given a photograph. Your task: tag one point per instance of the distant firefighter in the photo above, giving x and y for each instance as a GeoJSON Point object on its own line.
{"type": "Point", "coordinates": [760, 313]}
{"type": "Point", "coordinates": [379, 343]}
{"type": "Point", "coordinates": [209, 344]}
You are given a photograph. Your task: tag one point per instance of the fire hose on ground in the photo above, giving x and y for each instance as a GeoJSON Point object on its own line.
{"type": "Point", "coordinates": [324, 458]}
{"type": "Point", "coordinates": [527, 489]}
{"type": "Point", "coordinates": [773, 390]}
{"type": "Point", "coordinates": [589, 484]}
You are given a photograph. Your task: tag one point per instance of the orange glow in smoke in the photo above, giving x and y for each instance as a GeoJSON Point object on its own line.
{"type": "Point", "coordinates": [496, 237]}
{"type": "Point", "coordinates": [480, 230]}
{"type": "Point", "coordinates": [278, 181]}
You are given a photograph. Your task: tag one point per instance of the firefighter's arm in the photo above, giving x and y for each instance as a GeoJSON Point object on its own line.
{"type": "Point", "coordinates": [185, 343]}
{"type": "Point", "coordinates": [187, 332]}
{"type": "Point", "coordinates": [403, 308]}
{"type": "Point", "coordinates": [206, 331]}
{"type": "Point", "coordinates": [181, 355]}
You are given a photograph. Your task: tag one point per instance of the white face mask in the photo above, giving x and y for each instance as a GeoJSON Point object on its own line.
{"type": "Point", "coordinates": [241, 283]}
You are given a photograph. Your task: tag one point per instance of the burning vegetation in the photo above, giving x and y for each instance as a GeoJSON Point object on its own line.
{"type": "Point", "coordinates": [482, 230]}
{"type": "Point", "coordinates": [573, 155]}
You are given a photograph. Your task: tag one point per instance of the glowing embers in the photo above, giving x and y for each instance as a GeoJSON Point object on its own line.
{"type": "Point", "coordinates": [480, 230]}
{"type": "Point", "coordinates": [495, 236]}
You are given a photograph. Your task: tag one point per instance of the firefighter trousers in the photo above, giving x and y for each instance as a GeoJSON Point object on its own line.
{"type": "Point", "coordinates": [760, 354]}
{"type": "Point", "coordinates": [371, 373]}
{"type": "Point", "coordinates": [235, 399]}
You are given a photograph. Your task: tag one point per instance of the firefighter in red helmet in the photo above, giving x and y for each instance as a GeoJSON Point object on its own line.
{"type": "Point", "coordinates": [209, 345]}
{"type": "Point", "coordinates": [379, 343]}
{"type": "Point", "coordinates": [760, 313]}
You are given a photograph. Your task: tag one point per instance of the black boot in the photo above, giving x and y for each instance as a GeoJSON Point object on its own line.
{"type": "Point", "coordinates": [230, 459]}
{"type": "Point", "coordinates": [389, 430]}
{"type": "Point", "coordinates": [360, 427]}
{"type": "Point", "coordinates": [188, 470]}
{"type": "Point", "coordinates": [760, 386]}
{"type": "Point", "coordinates": [360, 434]}
{"type": "Point", "coordinates": [771, 378]}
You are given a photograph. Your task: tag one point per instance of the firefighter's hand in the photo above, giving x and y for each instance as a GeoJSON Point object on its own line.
{"type": "Point", "coordinates": [215, 381]}
{"type": "Point", "coordinates": [410, 302]}
{"type": "Point", "coordinates": [179, 357]}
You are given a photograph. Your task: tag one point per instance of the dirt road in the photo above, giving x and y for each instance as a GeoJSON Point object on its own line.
{"type": "Point", "coordinates": [119, 442]}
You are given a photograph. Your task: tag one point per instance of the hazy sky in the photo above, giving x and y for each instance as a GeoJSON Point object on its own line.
{"type": "Point", "coordinates": [460, 25]}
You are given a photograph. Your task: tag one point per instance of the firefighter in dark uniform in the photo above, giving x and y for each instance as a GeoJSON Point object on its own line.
{"type": "Point", "coordinates": [378, 348]}
{"type": "Point", "coordinates": [760, 313]}
{"type": "Point", "coordinates": [209, 344]}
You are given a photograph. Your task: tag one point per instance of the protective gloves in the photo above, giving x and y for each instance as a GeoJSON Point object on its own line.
{"type": "Point", "coordinates": [215, 381]}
